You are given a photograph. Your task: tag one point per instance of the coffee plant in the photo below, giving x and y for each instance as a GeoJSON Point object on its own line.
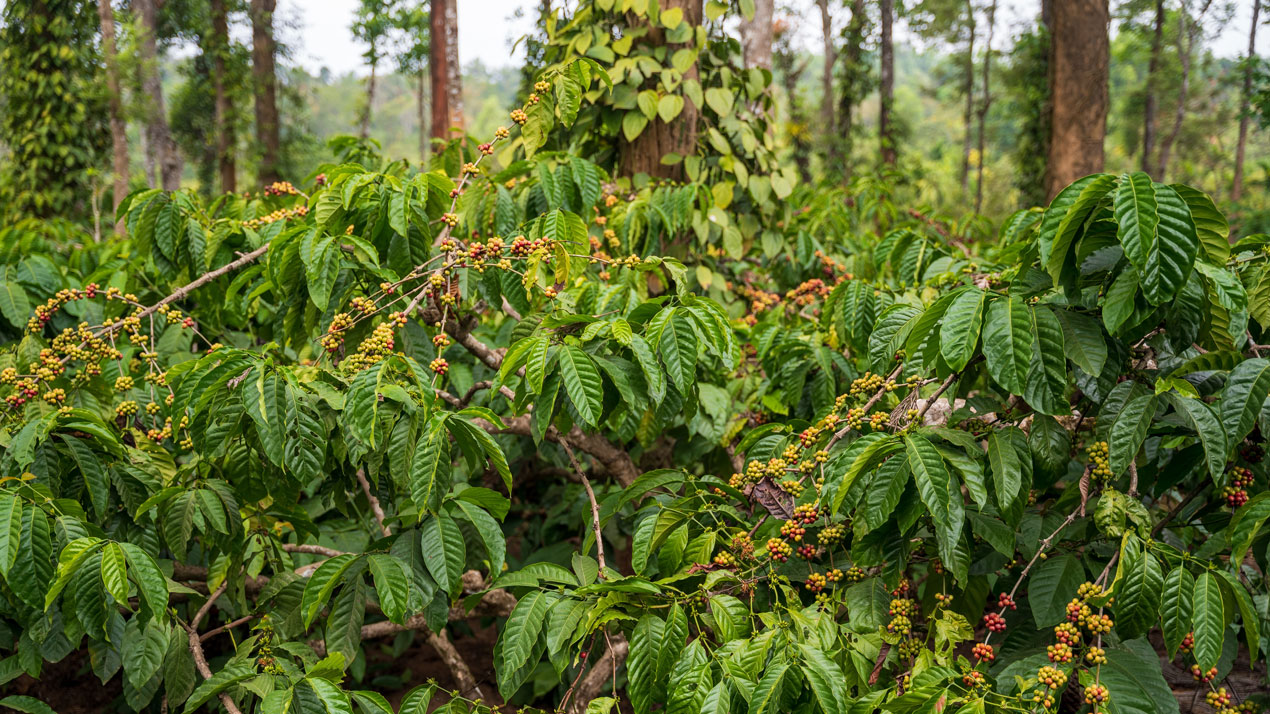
{"type": "Point", "coordinates": [846, 457]}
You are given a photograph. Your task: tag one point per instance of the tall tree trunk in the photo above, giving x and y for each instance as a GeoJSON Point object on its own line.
{"type": "Point", "coordinates": [886, 88]}
{"type": "Point", "coordinates": [851, 67]}
{"type": "Point", "coordinates": [420, 85]}
{"type": "Point", "coordinates": [986, 103]}
{"type": "Point", "coordinates": [364, 126]}
{"type": "Point", "coordinates": [1080, 54]}
{"type": "Point", "coordinates": [643, 155]}
{"type": "Point", "coordinates": [756, 36]}
{"type": "Point", "coordinates": [439, 71]}
{"type": "Point", "coordinates": [454, 85]}
{"type": "Point", "coordinates": [1237, 189]}
{"type": "Point", "coordinates": [118, 128]}
{"type": "Point", "coordinates": [224, 119]}
{"type": "Point", "coordinates": [264, 74]}
{"type": "Point", "coordinates": [1153, 69]}
{"type": "Point", "coordinates": [1185, 46]}
{"type": "Point", "coordinates": [828, 113]}
{"type": "Point", "coordinates": [968, 88]}
{"type": "Point", "coordinates": [158, 135]}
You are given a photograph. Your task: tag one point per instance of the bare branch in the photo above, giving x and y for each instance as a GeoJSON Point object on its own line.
{"type": "Point", "coordinates": [595, 506]}
{"type": "Point", "coordinates": [375, 508]}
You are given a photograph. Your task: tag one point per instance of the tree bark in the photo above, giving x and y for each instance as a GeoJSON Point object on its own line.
{"type": "Point", "coordinates": [1185, 47]}
{"type": "Point", "coordinates": [1153, 69]}
{"type": "Point", "coordinates": [1080, 53]}
{"type": "Point", "coordinates": [644, 154]}
{"type": "Point", "coordinates": [224, 111]}
{"type": "Point", "coordinates": [264, 71]}
{"type": "Point", "coordinates": [756, 36]}
{"type": "Point", "coordinates": [886, 88]}
{"type": "Point", "coordinates": [158, 135]}
{"type": "Point", "coordinates": [986, 103]}
{"type": "Point", "coordinates": [420, 85]}
{"type": "Point", "coordinates": [439, 71]}
{"type": "Point", "coordinates": [453, 66]}
{"type": "Point", "coordinates": [968, 88]}
{"type": "Point", "coordinates": [364, 128]}
{"type": "Point", "coordinates": [828, 113]}
{"type": "Point", "coordinates": [1237, 188]}
{"type": "Point", "coordinates": [118, 127]}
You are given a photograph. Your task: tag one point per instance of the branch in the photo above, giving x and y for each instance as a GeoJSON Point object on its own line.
{"type": "Point", "coordinates": [935, 397]}
{"type": "Point", "coordinates": [375, 508]}
{"type": "Point", "coordinates": [601, 673]}
{"type": "Point", "coordinates": [595, 506]}
{"type": "Point", "coordinates": [196, 646]}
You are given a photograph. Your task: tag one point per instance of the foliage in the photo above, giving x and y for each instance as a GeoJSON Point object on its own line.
{"type": "Point", "coordinates": [727, 444]}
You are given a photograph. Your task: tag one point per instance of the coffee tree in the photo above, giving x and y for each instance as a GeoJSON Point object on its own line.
{"type": "Point", "coordinates": [849, 460]}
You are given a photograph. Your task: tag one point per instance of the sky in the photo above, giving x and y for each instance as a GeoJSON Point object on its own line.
{"type": "Point", "coordinates": [319, 35]}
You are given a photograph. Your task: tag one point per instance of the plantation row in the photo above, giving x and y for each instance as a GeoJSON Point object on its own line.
{"type": "Point", "coordinates": [848, 458]}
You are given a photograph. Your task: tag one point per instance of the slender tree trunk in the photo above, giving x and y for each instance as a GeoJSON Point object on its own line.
{"type": "Point", "coordinates": [264, 72]}
{"type": "Point", "coordinates": [455, 84]}
{"type": "Point", "coordinates": [224, 119]}
{"type": "Point", "coordinates": [420, 85]}
{"type": "Point", "coordinates": [828, 113]}
{"type": "Point", "coordinates": [851, 65]}
{"type": "Point", "coordinates": [886, 88]}
{"type": "Point", "coordinates": [364, 128]}
{"type": "Point", "coordinates": [118, 128]}
{"type": "Point", "coordinates": [968, 88]}
{"type": "Point", "coordinates": [1079, 59]}
{"type": "Point", "coordinates": [986, 103]}
{"type": "Point", "coordinates": [1185, 46]}
{"type": "Point", "coordinates": [643, 155]}
{"type": "Point", "coordinates": [438, 58]}
{"type": "Point", "coordinates": [1237, 188]}
{"type": "Point", "coordinates": [1153, 69]}
{"type": "Point", "coordinates": [158, 139]}
{"type": "Point", "coordinates": [756, 36]}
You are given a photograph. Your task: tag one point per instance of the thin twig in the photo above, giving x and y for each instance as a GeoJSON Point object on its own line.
{"type": "Point", "coordinates": [196, 645]}
{"type": "Point", "coordinates": [595, 505]}
{"type": "Point", "coordinates": [375, 508]}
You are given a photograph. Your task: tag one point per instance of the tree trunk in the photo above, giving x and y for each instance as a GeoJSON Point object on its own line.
{"type": "Point", "coordinates": [364, 127]}
{"type": "Point", "coordinates": [158, 136]}
{"type": "Point", "coordinates": [439, 72]}
{"type": "Point", "coordinates": [455, 84]}
{"type": "Point", "coordinates": [224, 103]}
{"type": "Point", "coordinates": [968, 88]}
{"type": "Point", "coordinates": [1079, 59]}
{"type": "Point", "coordinates": [828, 114]}
{"type": "Point", "coordinates": [1185, 46]}
{"type": "Point", "coordinates": [886, 88]}
{"type": "Point", "coordinates": [1153, 68]}
{"type": "Point", "coordinates": [421, 81]}
{"type": "Point", "coordinates": [756, 36]}
{"type": "Point", "coordinates": [851, 65]}
{"type": "Point", "coordinates": [986, 103]}
{"type": "Point", "coordinates": [118, 128]}
{"type": "Point", "coordinates": [643, 155]}
{"type": "Point", "coordinates": [1237, 189]}
{"type": "Point", "coordinates": [264, 71]}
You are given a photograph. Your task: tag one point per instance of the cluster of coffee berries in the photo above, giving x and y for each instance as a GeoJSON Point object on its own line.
{"type": "Point", "coordinates": [793, 530]}
{"type": "Point", "coordinates": [376, 346]}
{"type": "Point", "coordinates": [806, 513]}
{"type": "Point", "coordinates": [450, 219]}
{"type": "Point", "coordinates": [1099, 461]}
{"type": "Point", "coordinates": [1188, 643]}
{"type": "Point", "coordinates": [816, 582]}
{"type": "Point", "coordinates": [1201, 676]}
{"type": "Point", "coordinates": [1004, 600]}
{"type": "Point", "coordinates": [807, 551]}
{"type": "Point", "coordinates": [1067, 634]}
{"type": "Point", "coordinates": [541, 86]}
{"type": "Point", "coordinates": [855, 574]}
{"type": "Point", "coordinates": [281, 214]}
{"type": "Point", "coordinates": [439, 366]}
{"type": "Point", "coordinates": [994, 622]}
{"type": "Point", "coordinates": [725, 559]}
{"type": "Point", "coordinates": [983, 652]}
{"type": "Point", "coordinates": [974, 679]}
{"type": "Point", "coordinates": [1096, 694]}
{"type": "Point", "coordinates": [1059, 653]}
{"type": "Point", "coordinates": [832, 534]}
{"type": "Point", "coordinates": [1236, 494]}
{"type": "Point", "coordinates": [779, 550]}
{"type": "Point", "coordinates": [1218, 699]}
{"type": "Point", "coordinates": [519, 116]}
{"type": "Point", "coordinates": [282, 188]}
{"type": "Point", "coordinates": [1051, 677]}
{"type": "Point", "coordinates": [341, 322]}
{"type": "Point", "coordinates": [1096, 656]}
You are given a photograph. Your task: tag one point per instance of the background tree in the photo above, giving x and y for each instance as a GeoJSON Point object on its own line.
{"type": "Point", "coordinates": [264, 50]}
{"type": "Point", "coordinates": [886, 85]}
{"type": "Point", "coordinates": [218, 49]}
{"type": "Point", "coordinates": [1150, 101]}
{"type": "Point", "coordinates": [118, 123]}
{"type": "Point", "coordinates": [50, 88]}
{"type": "Point", "coordinates": [412, 28]}
{"type": "Point", "coordinates": [985, 102]}
{"type": "Point", "coordinates": [1245, 99]}
{"type": "Point", "coordinates": [161, 149]}
{"type": "Point", "coordinates": [756, 35]}
{"type": "Point", "coordinates": [828, 101]}
{"type": "Point", "coordinates": [856, 79]}
{"type": "Point", "coordinates": [371, 26]}
{"type": "Point", "coordinates": [1080, 56]}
